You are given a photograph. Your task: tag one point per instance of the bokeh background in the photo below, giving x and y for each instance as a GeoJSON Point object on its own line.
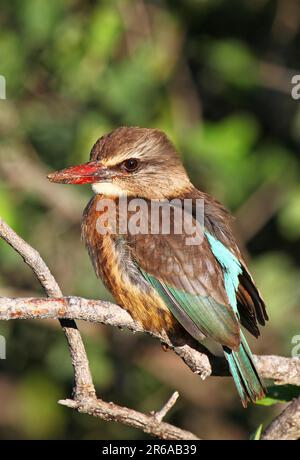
{"type": "Point", "coordinates": [216, 76]}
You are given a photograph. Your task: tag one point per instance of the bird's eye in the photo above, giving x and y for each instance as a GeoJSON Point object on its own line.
{"type": "Point", "coordinates": [131, 164]}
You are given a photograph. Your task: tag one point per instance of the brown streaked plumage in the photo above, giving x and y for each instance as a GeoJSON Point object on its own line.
{"type": "Point", "coordinates": [111, 258]}
{"type": "Point", "coordinates": [162, 282]}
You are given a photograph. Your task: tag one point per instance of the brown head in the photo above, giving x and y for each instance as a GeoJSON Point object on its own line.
{"type": "Point", "coordinates": [134, 161]}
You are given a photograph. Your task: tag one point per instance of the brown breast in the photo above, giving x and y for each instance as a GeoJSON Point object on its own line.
{"type": "Point", "coordinates": [112, 262]}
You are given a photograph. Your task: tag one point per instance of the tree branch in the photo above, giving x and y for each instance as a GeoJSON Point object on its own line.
{"type": "Point", "coordinates": [160, 415]}
{"type": "Point", "coordinates": [282, 370]}
{"type": "Point", "coordinates": [111, 412]}
{"type": "Point", "coordinates": [85, 399]}
{"type": "Point", "coordinates": [287, 425]}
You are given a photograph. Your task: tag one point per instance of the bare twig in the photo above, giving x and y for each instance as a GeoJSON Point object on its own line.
{"type": "Point", "coordinates": [287, 425]}
{"type": "Point", "coordinates": [112, 412]}
{"type": "Point", "coordinates": [199, 359]}
{"type": "Point", "coordinates": [160, 415]}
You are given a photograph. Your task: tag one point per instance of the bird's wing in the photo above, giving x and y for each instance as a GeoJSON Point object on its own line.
{"type": "Point", "coordinates": [192, 282]}
{"type": "Point", "coordinates": [250, 305]}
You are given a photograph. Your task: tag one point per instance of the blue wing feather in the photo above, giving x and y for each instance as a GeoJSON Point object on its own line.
{"type": "Point", "coordinates": [231, 266]}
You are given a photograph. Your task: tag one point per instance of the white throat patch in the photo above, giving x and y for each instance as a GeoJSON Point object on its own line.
{"type": "Point", "coordinates": [108, 188]}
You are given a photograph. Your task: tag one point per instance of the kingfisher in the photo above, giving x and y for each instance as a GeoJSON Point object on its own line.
{"type": "Point", "coordinates": [167, 283]}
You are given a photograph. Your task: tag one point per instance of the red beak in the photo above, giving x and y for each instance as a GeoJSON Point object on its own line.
{"type": "Point", "coordinates": [87, 173]}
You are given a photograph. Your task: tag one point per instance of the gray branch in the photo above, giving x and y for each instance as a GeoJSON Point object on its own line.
{"type": "Point", "coordinates": [111, 412]}
{"type": "Point", "coordinates": [85, 399]}
{"type": "Point", "coordinates": [287, 425]}
{"type": "Point", "coordinates": [282, 370]}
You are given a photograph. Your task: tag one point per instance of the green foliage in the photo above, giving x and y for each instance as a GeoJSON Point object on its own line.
{"type": "Point", "coordinates": [279, 394]}
{"type": "Point", "coordinates": [289, 216]}
{"type": "Point", "coordinates": [257, 434]}
{"type": "Point", "coordinates": [227, 146]}
{"type": "Point", "coordinates": [233, 62]}
{"type": "Point", "coordinates": [39, 411]}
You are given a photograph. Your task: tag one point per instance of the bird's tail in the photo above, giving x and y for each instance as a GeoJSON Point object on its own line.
{"type": "Point", "coordinates": [244, 373]}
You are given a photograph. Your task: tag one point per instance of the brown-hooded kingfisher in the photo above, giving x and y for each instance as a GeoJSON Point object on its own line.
{"type": "Point", "coordinates": [205, 288]}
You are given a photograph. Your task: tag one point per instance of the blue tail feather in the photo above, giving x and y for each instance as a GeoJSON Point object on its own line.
{"type": "Point", "coordinates": [244, 373]}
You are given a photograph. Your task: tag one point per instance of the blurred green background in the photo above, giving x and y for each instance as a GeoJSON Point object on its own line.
{"type": "Point", "coordinates": [216, 76]}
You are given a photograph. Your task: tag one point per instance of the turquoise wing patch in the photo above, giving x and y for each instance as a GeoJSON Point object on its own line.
{"type": "Point", "coordinates": [231, 268]}
{"type": "Point", "coordinates": [198, 314]}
